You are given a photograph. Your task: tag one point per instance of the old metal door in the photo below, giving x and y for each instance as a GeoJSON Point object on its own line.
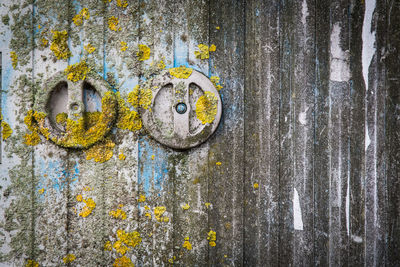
{"type": "Point", "coordinates": [303, 168]}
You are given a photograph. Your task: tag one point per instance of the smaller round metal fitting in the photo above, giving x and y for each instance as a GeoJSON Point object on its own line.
{"type": "Point", "coordinates": [181, 108]}
{"type": "Point", "coordinates": [184, 112]}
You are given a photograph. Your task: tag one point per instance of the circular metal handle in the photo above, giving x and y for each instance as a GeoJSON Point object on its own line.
{"type": "Point", "coordinates": [180, 125]}
{"type": "Point", "coordinates": [76, 133]}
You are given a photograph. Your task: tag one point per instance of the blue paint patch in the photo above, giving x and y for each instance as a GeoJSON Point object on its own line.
{"type": "Point", "coordinates": [181, 51]}
{"type": "Point", "coordinates": [5, 87]}
{"type": "Point", "coordinates": [55, 172]}
{"type": "Point", "coordinates": [152, 173]}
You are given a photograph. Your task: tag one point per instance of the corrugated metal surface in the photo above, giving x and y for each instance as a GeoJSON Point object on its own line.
{"type": "Point", "coordinates": [303, 169]}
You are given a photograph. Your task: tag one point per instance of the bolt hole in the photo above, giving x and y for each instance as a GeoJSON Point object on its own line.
{"type": "Point", "coordinates": [181, 108]}
{"type": "Point", "coordinates": [74, 107]}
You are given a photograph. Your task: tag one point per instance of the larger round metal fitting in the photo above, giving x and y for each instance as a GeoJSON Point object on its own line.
{"type": "Point", "coordinates": [63, 115]}
{"type": "Point", "coordinates": [184, 112]}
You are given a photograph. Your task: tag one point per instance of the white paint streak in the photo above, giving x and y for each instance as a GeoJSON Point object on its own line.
{"type": "Point", "coordinates": [357, 239]}
{"type": "Point", "coordinates": [303, 117]}
{"type": "Point", "coordinates": [339, 61]}
{"type": "Point", "coordinates": [297, 219]}
{"type": "Point", "coordinates": [368, 39]}
{"type": "Point", "coordinates": [304, 11]}
{"type": "Point", "coordinates": [348, 204]}
{"type": "Point", "coordinates": [367, 139]}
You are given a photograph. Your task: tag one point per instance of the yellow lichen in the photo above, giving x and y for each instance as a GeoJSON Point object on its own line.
{"type": "Point", "coordinates": [158, 212]}
{"type": "Point", "coordinates": [161, 65]}
{"type": "Point", "coordinates": [121, 156]}
{"type": "Point", "coordinates": [88, 129]}
{"type": "Point", "coordinates": [207, 204]}
{"type": "Point", "coordinates": [153, 157]}
{"type": "Point", "coordinates": [123, 262]}
{"type": "Point", "coordinates": [122, 3]}
{"type": "Point", "coordinates": [142, 198]}
{"type": "Point", "coordinates": [113, 24]}
{"type": "Point", "coordinates": [14, 59]}
{"type": "Point", "coordinates": [31, 120]}
{"type": "Point", "coordinates": [6, 130]}
{"type": "Point", "coordinates": [32, 139]}
{"type": "Point", "coordinates": [79, 198]}
{"type": "Point", "coordinates": [41, 191]}
{"type": "Point", "coordinates": [255, 185]}
{"type": "Point", "coordinates": [131, 239]}
{"type": "Point", "coordinates": [202, 53]}
{"type": "Point", "coordinates": [101, 152]}
{"type": "Point", "coordinates": [44, 42]}
{"type": "Point", "coordinates": [140, 97]}
{"type": "Point", "coordinates": [89, 48]}
{"type": "Point", "coordinates": [145, 98]}
{"type": "Point", "coordinates": [187, 244]}
{"type": "Point", "coordinates": [120, 247]}
{"type": "Point", "coordinates": [118, 214]}
{"type": "Point", "coordinates": [77, 71]}
{"type": "Point", "coordinates": [218, 163]}
{"type": "Point", "coordinates": [133, 96]}
{"type": "Point", "coordinates": [31, 263]}
{"type": "Point", "coordinates": [186, 206]}
{"type": "Point", "coordinates": [148, 215]}
{"type": "Point", "coordinates": [78, 18]}
{"type": "Point", "coordinates": [217, 27]}
{"type": "Point", "coordinates": [127, 119]}
{"type": "Point", "coordinates": [143, 53]}
{"type": "Point", "coordinates": [85, 13]}
{"type": "Point", "coordinates": [212, 237]}
{"type": "Point", "coordinates": [69, 258]}
{"type": "Point", "coordinates": [59, 44]}
{"type": "Point", "coordinates": [181, 72]}
{"type": "Point", "coordinates": [206, 107]}
{"type": "Point", "coordinates": [61, 118]}
{"type": "Point", "coordinates": [123, 45]}
{"type": "Point", "coordinates": [87, 210]}
{"type": "Point", "coordinates": [108, 246]}
{"type": "Point", "coordinates": [215, 81]}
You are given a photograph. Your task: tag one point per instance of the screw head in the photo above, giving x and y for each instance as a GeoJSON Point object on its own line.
{"type": "Point", "coordinates": [181, 108]}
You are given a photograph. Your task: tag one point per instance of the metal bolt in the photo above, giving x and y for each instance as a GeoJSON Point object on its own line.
{"type": "Point", "coordinates": [181, 108]}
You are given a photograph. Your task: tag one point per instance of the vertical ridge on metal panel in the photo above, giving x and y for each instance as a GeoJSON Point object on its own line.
{"type": "Point", "coordinates": [321, 116]}
{"type": "Point", "coordinates": [357, 139]}
{"type": "Point", "coordinates": [338, 132]}
{"type": "Point", "coordinates": [286, 167]}
{"type": "Point", "coordinates": [375, 155]}
{"type": "Point", "coordinates": [261, 176]}
{"type": "Point", "coordinates": [190, 180]}
{"type": "Point", "coordinates": [392, 142]}
{"type": "Point", "coordinates": [226, 153]}
{"type": "Point", "coordinates": [18, 181]}
{"type": "Point", "coordinates": [155, 177]}
{"type": "Point", "coordinates": [302, 101]}
{"type": "Point", "coordinates": [51, 162]}
{"type": "Point", "coordinates": [120, 69]}
{"type": "Point", "coordinates": [86, 198]}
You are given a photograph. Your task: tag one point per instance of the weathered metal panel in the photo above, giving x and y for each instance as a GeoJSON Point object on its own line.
{"type": "Point", "coordinates": [302, 170]}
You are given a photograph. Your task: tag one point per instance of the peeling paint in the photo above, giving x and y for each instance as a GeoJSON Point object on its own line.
{"type": "Point", "coordinates": [303, 117]}
{"type": "Point", "coordinates": [368, 39]}
{"type": "Point", "coordinates": [297, 216]}
{"type": "Point", "coordinates": [339, 59]}
{"type": "Point", "coordinates": [367, 138]}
